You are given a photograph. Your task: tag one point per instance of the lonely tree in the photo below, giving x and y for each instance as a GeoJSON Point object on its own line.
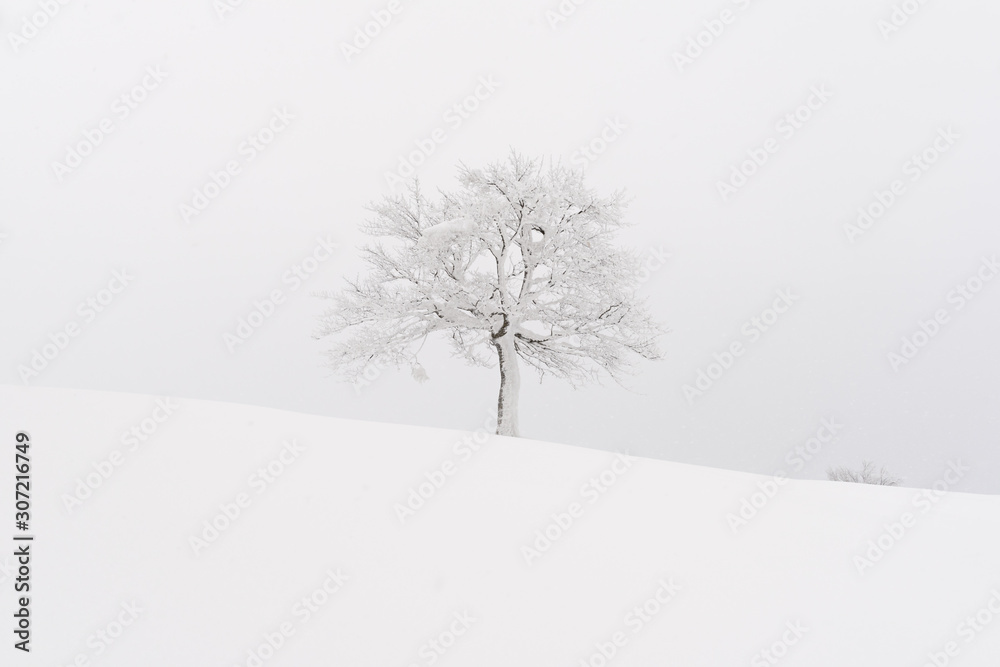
{"type": "Point", "coordinates": [515, 266]}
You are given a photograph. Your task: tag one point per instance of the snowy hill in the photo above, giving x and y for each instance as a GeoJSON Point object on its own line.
{"type": "Point", "coordinates": [339, 542]}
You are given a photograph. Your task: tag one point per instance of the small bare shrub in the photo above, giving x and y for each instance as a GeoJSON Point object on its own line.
{"type": "Point", "coordinates": [864, 475]}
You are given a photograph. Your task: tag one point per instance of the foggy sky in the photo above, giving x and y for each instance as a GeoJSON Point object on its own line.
{"type": "Point", "coordinates": [678, 129]}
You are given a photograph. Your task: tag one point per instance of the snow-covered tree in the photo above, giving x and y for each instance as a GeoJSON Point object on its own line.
{"type": "Point", "coordinates": [516, 265]}
{"type": "Point", "coordinates": [864, 475]}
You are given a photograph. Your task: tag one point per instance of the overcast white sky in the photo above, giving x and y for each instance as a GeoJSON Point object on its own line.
{"type": "Point", "coordinates": [558, 87]}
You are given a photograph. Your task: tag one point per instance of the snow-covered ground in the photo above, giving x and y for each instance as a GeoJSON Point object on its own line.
{"type": "Point", "coordinates": [325, 554]}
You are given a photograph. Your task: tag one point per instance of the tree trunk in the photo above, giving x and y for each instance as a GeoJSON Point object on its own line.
{"type": "Point", "coordinates": [510, 386]}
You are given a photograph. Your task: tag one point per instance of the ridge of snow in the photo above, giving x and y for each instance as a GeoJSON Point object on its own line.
{"type": "Point", "coordinates": [331, 512]}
